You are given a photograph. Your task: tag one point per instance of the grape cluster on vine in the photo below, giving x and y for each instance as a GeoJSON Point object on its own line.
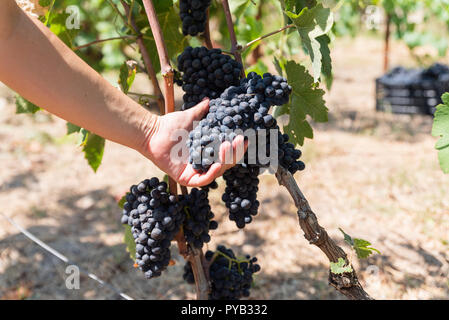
{"type": "Point", "coordinates": [199, 217]}
{"type": "Point", "coordinates": [230, 278]}
{"type": "Point", "coordinates": [206, 73]}
{"type": "Point", "coordinates": [193, 14]}
{"type": "Point", "coordinates": [155, 218]}
{"type": "Point", "coordinates": [240, 196]}
{"type": "Point", "coordinates": [238, 109]}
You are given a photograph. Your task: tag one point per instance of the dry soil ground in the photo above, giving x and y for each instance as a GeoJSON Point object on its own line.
{"type": "Point", "coordinates": [374, 175]}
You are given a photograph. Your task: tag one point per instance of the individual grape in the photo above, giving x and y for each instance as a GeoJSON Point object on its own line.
{"type": "Point", "coordinates": [230, 278]}
{"type": "Point", "coordinates": [155, 217]}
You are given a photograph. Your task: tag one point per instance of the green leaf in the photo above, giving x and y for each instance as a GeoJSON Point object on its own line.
{"type": "Point", "coordinates": [238, 7]}
{"type": "Point", "coordinates": [128, 237]}
{"type": "Point", "coordinates": [83, 135]}
{"type": "Point", "coordinates": [25, 106]}
{"type": "Point", "coordinates": [326, 60]}
{"type": "Point", "coordinates": [44, 3]}
{"type": "Point", "coordinates": [340, 267]}
{"type": "Point", "coordinates": [347, 237]}
{"type": "Point", "coordinates": [259, 68]}
{"type": "Point", "coordinates": [129, 241]}
{"type": "Point", "coordinates": [311, 24]}
{"type": "Point", "coordinates": [159, 5]}
{"type": "Point", "coordinates": [297, 5]}
{"type": "Point", "coordinates": [72, 128]}
{"type": "Point", "coordinates": [360, 246]}
{"type": "Point", "coordinates": [58, 27]}
{"type": "Point", "coordinates": [127, 74]}
{"type": "Point", "coordinates": [165, 178]}
{"type": "Point", "coordinates": [441, 129]}
{"type": "Point", "coordinates": [279, 65]}
{"type": "Point", "coordinates": [174, 39]}
{"type": "Point", "coordinates": [306, 99]}
{"type": "Point", "coordinates": [93, 150]}
{"type": "Point", "coordinates": [122, 201]}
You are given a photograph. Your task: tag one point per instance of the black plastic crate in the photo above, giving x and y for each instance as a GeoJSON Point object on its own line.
{"type": "Point", "coordinates": [412, 91]}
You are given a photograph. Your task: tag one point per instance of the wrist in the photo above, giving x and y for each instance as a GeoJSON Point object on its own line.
{"type": "Point", "coordinates": [148, 129]}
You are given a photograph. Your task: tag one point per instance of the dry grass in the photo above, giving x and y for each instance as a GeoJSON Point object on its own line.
{"type": "Point", "coordinates": [374, 175]}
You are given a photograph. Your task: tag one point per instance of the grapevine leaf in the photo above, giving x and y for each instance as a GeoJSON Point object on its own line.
{"type": "Point", "coordinates": [174, 39]}
{"type": "Point", "coordinates": [159, 5]}
{"type": "Point", "coordinates": [162, 6]}
{"type": "Point", "coordinates": [122, 201]}
{"type": "Point", "coordinates": [297, 5]}
{"type": "Point", "coordinates": [340, 267]}
{"type": "Point", "coordinates": [360, 246]}
{"type": "Point", "coordinates": [72, 128]}
{"type": "Point", "coordinates": [259, 68]}
{"type": "Point", "coordinates": [311, 24]}
{"type": "Point", "coordinates": [251, 31]}
{"type": "Point", "coordinates": [127, 75]}
{"type": "Point", "coordinates": [305, 94]}
{"type": "Point", "coordinates": [93, 150]}
{"type": "Point", "coordinates": [44, 3]}
{"type": "Point", "coordinates": [298, 129]}
{"type": "Point", "coordinates": [279, 65]}
{"type": "Point", "coordinates": [347, 237]}
{"type": "Point", "coordinates": [129, 241]}
{"type": "Point", "coordinates": [58, 26]}
{"type": "Point", "coordinates": [25, 106]}
{"type": "Point", "coordinates": [49, 15]}
{"type": "Point", "coordinates": [306, 99]}
{"type": "Point", "coordinates": [238, 7]}
{"type": "Point", "coordinates": [83, 135]}
{"type": "Point", "coordinates": [326, 60]}
{"type": "Point", "coordinates": [441, 129]}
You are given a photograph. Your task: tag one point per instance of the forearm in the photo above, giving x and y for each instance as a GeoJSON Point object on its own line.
{"type": "Point", "coordinates": [37, 65]}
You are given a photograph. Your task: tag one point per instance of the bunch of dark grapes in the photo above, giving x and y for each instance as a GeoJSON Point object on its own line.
{"type": "Point", "coordinates": [230, 278]}
{"type": "Point", "coordinates": [206, 73]}
{"type": "Point", "coordinates": [199, 217]}
{"type": "Point", "coordinates": [155, 218]}
{"type": "Point", "coordinates": [238, 109]}
{"type": "Point", "coordinates": [240, 194]}
{"type": "Point", "coordinates": [193, 14]}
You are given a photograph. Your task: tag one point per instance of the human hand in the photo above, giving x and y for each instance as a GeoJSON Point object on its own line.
{"type": "Point", "coordinates": [159, 143]}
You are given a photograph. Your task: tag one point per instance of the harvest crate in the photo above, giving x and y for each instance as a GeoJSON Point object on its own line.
{"type": "Point", "coordinates": [412, 91]}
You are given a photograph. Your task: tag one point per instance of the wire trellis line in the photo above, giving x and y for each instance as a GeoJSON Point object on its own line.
{"type": "Point", "coordinates": [63, 258]}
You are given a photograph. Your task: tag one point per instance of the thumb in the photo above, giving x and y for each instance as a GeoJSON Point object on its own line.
{"type": "Point", "coordinates": [199, 111]}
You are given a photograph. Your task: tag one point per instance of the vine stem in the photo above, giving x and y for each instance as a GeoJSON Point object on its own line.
{"type": "Point", "coordinates": [103, 40]}
{"type": "Point", "coordinates": [249, 44]}
{"type": "Point", "coordinates": [235, 47]}
{"type": "Point", "coordinates": [346, 283]}
{"type": "Point", "coordinates": [146, 58]}
{"type": "Point", "coordinates": [206, 35]}
{"type": "Point", "coordinates": [195, 256]}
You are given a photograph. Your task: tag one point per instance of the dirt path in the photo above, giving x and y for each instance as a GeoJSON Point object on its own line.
{"type": "Point", "coordinates": [374, 175]}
